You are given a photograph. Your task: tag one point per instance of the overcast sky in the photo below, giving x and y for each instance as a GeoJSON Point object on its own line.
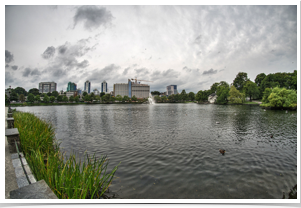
{"type": "Point", "coordinates": [188, 46]}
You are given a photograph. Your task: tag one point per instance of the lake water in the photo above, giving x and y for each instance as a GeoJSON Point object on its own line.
{"type": "Point", "coordinates": [171, 151]}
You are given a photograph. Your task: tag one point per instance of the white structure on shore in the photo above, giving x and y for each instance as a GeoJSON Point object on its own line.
{"type": "Point", "coordinates": [132, 89]}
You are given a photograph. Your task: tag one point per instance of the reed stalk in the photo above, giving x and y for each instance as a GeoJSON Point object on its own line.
{"type": "Point", "coordinates": [67, 177]}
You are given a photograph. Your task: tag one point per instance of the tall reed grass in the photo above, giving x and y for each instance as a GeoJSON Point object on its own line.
{"type": "Point", "coordinates": [67, 177]}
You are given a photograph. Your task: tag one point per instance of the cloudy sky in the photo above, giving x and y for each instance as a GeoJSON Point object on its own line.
{"type": "Point", "coordinates": [188, 46]}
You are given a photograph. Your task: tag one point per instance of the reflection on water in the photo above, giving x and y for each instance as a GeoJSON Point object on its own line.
{"type": "Point", "coordinates": [172, 150]}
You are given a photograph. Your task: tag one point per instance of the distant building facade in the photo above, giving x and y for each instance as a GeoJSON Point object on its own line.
{"type": "Point", "coordinates": [71, 93]}
{"type": "Point", "coordinates": [96, 92]}
{"type": "Point", "coordinates": [71, 87]}
{"type": "Point", "coordinates": [87, 86]}
{"type": "Point", "coordinates": [171, 89]}
{"type": "Point", "coordinates": [45, 87]}
{"type": "Point", "coordinates": [132, 89]}
{"type": "Point", "coordinates": [79, 91]}
{"type": "Point", "coordinates": [104, 86]}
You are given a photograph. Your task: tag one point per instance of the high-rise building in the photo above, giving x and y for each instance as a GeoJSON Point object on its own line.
{"type": "Point", "coordinates": [71, 86]}
{"type": "Point", "coordinates": [171, 89]}
{"type": "Point", "coordinates": [79, 91]}
{"type": "Point", "coordinates": [87, 86]}
{"type": "Point", "coordinates": [132, 88]}
{"type": "Point", "coordinates": [45, 87]}
{"type": "Point", "coordinates": [104, 86]}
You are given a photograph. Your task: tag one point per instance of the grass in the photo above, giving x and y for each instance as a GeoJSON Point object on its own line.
{"type": "Point", "coordinates": [67, 177]}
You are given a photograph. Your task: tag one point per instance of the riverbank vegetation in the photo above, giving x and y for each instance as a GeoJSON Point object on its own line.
{"type": "Point", "coordinates": [67, 177]}
{"type": "Point", "coordinates": [279, 97]}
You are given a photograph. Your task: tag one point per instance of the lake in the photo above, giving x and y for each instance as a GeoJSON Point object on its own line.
{"type": "Point", "coordinates": [171, 151]}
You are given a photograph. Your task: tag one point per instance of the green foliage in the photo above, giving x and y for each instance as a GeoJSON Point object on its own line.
{"type": "Point", "coordinates": [14, 96]}
{"type": "Point", "coordinates": [46, 99]}
{"type": "Point", "coordinates": [184, 95]}
{"type": "Point", "coordinates": [240, 80]}
{"type": "Point", "coordinates": [106, 98]}
{"type": "Point", "coordinates": [102, 94]}
{"type": "Point", "coordinates": [65, 99]}
{"type": "Point", "coordinates": [259, 78]}
{"type": "Point", "coordinates": [155, 93]}
{"type": "Point", "coordinates": [222, 93]}
{"type": "Point", "coordinates": [134, 98]}
{"type": "Point", "coordinates": [164, 98]}
{"type": "Point", "coordinates": [84, 94]}
{"type": "Point", "coordinates": [30, 98]}
{"type": "Point", "coordinates": [213, 88]}
{"type": "Point", "coordinates": [20, 90]}
{"type": "Point", "coordinates": [177, 97]}
{"type": "Point", "coordinates": [280, 97]}
{"type": "Point", "coordinates": [266, 94]}
{"type": "Point", "coordinates": [125, 98]}
{"type": "Point", "coordinates": [251, 89]}
{"type": "Point", "coordinates": [67, 177]}
{"type": "Point", "coordinates": [76, 99]}
{"type": "Point", "coordinates": [112, 99]}
{"type": "Point", "coordinates": [43, 94]}
{"type": "Point", "coordinates": [171, 98]}
{"type": "Point", "coordinates": [157, 98]}
{"type": "Point", "coordinates": [37, 98]}
{"type": "Point", "coordinates": [203, 95]}
{"type": "Point", "coordinates": [52, 99]}
{"type": "Point", "coordinates": [235, 96]}
{"type": "Point", "coordinates": [191, 96]}
{"type": "Point", "coordinates": [119, 98]}
{"type": "Point", "coordinates": [34, 91]}
{"type": "Point", "coordinates": [59, 98]}
{"type": "Point", "coordinates": [71, 98]}
{"type": "Point", "coordinates": [21, 97]}
{"type": "Point", "coordinates": [49, 94]}
{"type": "Point", "coordinates": [55, 93]}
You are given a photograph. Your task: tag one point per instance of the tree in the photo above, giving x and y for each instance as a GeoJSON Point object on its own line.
{"type": "Point", "coordinates": [6, 99]}
{"type": "Point", "coordinates": [259, 79]}
{"type": "Point", "coordinates": [177, 97]}
{"type": "Point", "coordinates": [251, 89]}
{"type": "Point", "coordinates": [119, 98]}
{"type": "Point", "coordinates": [266, 94]}
{"type": "Point", "coordinates": [102, 94]}
{"type": "Point", "coordinates": [134, 98]}
{"type": "Point", "coordinates": [43, 94]}
{"type": "Point", "coordinates": [52, 99]}
{"type": "Point", "coordinates": [213, 87]}
{"type": "Point", "coordinates": [155, 93]}
{"type": "Point", "coordinates": [184, 96]}
{"type": "Point", "coordinates": [84, 94]}
{"type": "Point", "coordinates": [163, 99]}
{"type": "Point", "coordinates": [235, 96]}
{"type": "Point", "coordinates": [92, 96]}
{"type": "Point", "coordinates": [37, 98]}
{"type": "Point", "coordinates": [97, 97]}
{"type": "Point", "coordinates": [76, 99]}
{"type": "Point", "coordinates": [125, 98]}
{"type": "Point", "coordinates": [46, 99]}
{"type": "Point", "coordinates": [22, 98]}
{"type": "Point", "coordinates": [222, 93]}
{"type": "Point", "coordinates": [191, 96]}
{"type": "Point", "coordinates": [157, 98]}
{"type": "Point", "coordinates": [14, 96]}
{"type": "Point", "coordinates": [71, 98]}
{"type": "Point", "coordinates": [20, 90]}
{"type": "Point", "coordinates": [49, 94]}
{"type": "Point", "coordinates": [65, 99]}
{"type": "Point", "coordinates": [30, 98]}
{"type": "Point", "coordinates": [106, 98]}
{"type": "Point", "coordinates": [112, 99]}
{"type": "Point", "coordinates": [55, 93]}
{"type": "Point", "coordinates": [281, 97]}
{"type": "Point", "coordinates": [34, 91]}
{"type": "Point", "coordinates": [240, 80]}
{"type": "Point", "coordinates": [59, 98]}
{"type": "Point", "coordinates": [171, 98]}
{"type": "Point", "coordinates": [203, 95]}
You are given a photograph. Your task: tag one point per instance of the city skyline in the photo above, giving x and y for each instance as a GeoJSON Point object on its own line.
{"type": "Point", "coordinates": [188, 46]}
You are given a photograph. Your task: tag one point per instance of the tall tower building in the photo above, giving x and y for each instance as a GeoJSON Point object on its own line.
{"type": "Point", "coordinates": [104, 86]}
{"type": "Point", "coordinates": [87, 87]}
{"type": "Point", "coordinates": [71, 87]}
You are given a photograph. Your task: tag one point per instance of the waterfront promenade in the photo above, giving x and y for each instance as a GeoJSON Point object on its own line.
{"type": "Point", "coordinates": [10, 176]}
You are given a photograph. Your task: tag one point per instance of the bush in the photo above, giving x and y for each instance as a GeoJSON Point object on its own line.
{"type": "Point", "coordinates": [279, 97]}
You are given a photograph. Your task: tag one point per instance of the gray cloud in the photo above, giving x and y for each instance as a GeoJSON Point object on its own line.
{"type": "Point", "coordinates": [83, 64]}
{"type": "Point", "coordinates": [106, 73]}
{"type": "Point", "coordinates": [209, 72]}
{"type": "Point", "coordinates": [125, 71]}
{"type": "Point", "coordinates": [6, 65]}
{"type": "Point", "coordinates": [9, 57]}
{"type": "Point", "coordinates": [92, 16]}
{"type": "Point", "coordinates": [62, 49]}
{"type": "Point", "coordinates": [49, 52]}
{"type": "Point", "coordinates": [14, 67]}
{"type": "Point", "coordinates": [142, 71]}
{"type": "Point", "coordinates": [32, 72]}
{"type": "Point", "coordinates": [26, 72]}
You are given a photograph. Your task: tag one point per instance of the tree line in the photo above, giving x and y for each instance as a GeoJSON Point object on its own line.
{"type": "Point", "coordinates": [283, 85]}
